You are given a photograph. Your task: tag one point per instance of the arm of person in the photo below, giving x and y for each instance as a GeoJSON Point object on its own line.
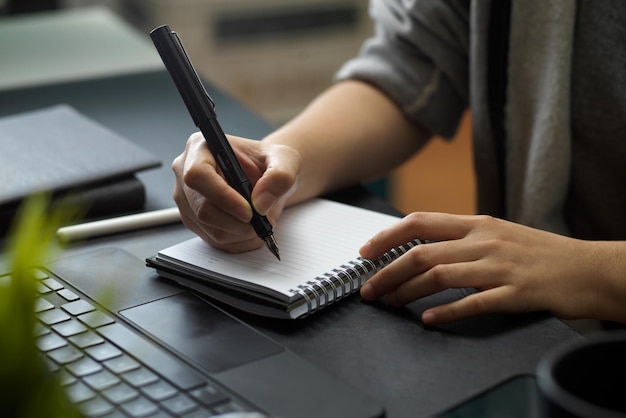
{"type": "Point", "coordinates": [350, 134]}
{"type": "Point", "coordinates": [515, 269]}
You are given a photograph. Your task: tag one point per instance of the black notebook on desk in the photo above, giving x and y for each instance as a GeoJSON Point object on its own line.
{"type": "Point", "coordinates": [319, 242]}
{"type": "Point", "coordinates": [59, 150]}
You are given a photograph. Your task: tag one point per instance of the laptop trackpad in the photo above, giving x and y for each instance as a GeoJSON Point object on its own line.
{"type": "Point", "coordinates": [201, 332]}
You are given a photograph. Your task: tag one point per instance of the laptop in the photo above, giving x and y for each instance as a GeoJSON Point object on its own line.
{"type": "Point", "coordinates": [125, 342]}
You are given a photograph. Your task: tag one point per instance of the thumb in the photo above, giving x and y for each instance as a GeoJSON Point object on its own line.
{"type": "Point", "coordinates": [278, 180]}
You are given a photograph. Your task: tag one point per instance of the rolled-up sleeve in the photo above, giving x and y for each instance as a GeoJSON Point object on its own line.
{"type": "Point", "coordinates": [418, 57]}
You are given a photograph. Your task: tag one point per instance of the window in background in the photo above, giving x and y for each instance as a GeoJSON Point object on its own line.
{"type": "Point", "coordinates": [274, 55]}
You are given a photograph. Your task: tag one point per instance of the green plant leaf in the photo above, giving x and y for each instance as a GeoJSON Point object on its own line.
{"type": "Point", "coordinates": [29, 389]}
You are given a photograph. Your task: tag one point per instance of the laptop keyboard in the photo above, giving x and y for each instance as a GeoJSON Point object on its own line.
{"type": "Point", "coordinates": [108, 370]}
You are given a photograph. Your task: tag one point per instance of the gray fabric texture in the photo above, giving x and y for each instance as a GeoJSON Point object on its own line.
{"type": "Point", "coordinates": [596, 199]}
{"type": "Point", "coordinates": [431, 58]}
{"type": "Point", "coordinates": [429, 78]}
{"type": "Point", "coordinates": [537, 112]}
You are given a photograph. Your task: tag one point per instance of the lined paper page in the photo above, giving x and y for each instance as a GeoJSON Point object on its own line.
{"type": "Point", "coordinates": [314, 238]}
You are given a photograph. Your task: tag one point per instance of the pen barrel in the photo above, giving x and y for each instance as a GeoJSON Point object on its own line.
{"type": "Point", "coordinates": [200, 106]}
{"type": "Point", "coordinates": [178, 65]}
{"type": "Point", "coordinates": [225, 157]}
{"type": "Point", "coordinates": [233, 172]}
{"type": "Point", "coordinates": [260, 223]}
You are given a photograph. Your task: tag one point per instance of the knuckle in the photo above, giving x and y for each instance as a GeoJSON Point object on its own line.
{"type": "Point", "coordinates": [283, 178]}
{"type": "Point", "coordinates": [486, 221]}
{"type": "Point", "coordinates": [194, 137]}
{"type": "Point", "coordinates": [491, 245]}
{"type": "Point", "coordinates": [177, 163]}
{"type": "Point", "coordinates": [418, 255]}
{"type": "Point", "coordinates": [192, 175]}
{"type": "Point", "coordinates": [477, 304]}
{"type": "Point", "coordinates": [441, 276]}
{"type": "Point", "coordinates": [416, 217]}
{"type": "Point", "coordinates": [284, 174]}
{"type": "Point", "coordinates": [381, 283]}
{"type": "Point", "coordinates": [281, 182]}
{"type": "Point", "coordinates": [382, 280]}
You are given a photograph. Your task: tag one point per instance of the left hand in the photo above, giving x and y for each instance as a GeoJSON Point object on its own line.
{"type": "Point", "coordinates": [515, 268]}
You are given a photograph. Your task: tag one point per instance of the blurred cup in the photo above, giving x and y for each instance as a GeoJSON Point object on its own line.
{"type": "Point", "coordinates": [586, 378]}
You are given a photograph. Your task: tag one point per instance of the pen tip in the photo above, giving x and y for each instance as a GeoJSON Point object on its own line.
{"type": "Point", "coordinates": [271, 244]}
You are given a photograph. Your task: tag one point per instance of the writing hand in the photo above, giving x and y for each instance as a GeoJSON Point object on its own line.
{"type": "Point", "coordinates": [215, 211]}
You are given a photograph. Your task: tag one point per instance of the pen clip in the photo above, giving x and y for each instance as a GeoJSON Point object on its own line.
{"type": "Point", "coordinates": [182, 49]}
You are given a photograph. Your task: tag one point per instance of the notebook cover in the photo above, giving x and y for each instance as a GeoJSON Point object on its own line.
{"type": "Point", "coordinates": [110, 198]}
{"type": "Point", "coordinates": [57, 148]}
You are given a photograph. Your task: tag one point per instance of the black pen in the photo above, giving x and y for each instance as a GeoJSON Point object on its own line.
{"type": "Point", "coordinates": [202, 110]}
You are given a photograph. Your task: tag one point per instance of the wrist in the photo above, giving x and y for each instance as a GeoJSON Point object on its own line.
{"type": "Point", "coordinates": [608, 279]}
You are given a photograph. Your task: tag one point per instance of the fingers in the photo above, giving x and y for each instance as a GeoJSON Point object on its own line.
{"type": "Point", "coordinates": [212, 224]}
{"type": "Point", "coordinates": [498, 296]}
{"type": "Point", "coordinates": [428, 269]}
{"type": "Point", "coordinates": [423, 225]}
{"type": "Point", "coordinates": [279, 179]}
{"type": "Point", "coordinates": [439, 259]}
{"type": "Point", "coordinates": [213, 209]}
{"type": "Point", "coordinates": [196, 171]}
{"type": "Point", "coordinates": [482, 303]}
{"type": "Point", "coordinates": [467, 252]}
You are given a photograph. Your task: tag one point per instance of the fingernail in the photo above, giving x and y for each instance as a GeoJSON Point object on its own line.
{"type": "Point", "coordinates": [428, 318]}
{"type": "Point", "coordinates": [264, 202]}
{"type": "Point", "coordinates": [365, 249]}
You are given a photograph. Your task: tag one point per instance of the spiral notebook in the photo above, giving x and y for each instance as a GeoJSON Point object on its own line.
{"type": "Point", "coordinates": [319, 242]}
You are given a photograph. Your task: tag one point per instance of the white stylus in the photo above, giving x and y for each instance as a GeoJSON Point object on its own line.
{"type": "Point", "coordinates": [119, 224]}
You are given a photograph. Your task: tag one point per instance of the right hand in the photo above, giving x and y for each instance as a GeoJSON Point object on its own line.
{"type": "Point", "coordinates": [216, 212]}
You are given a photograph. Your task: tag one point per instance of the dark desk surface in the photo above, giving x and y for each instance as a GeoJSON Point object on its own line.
{"type": "Point", "coordinates": [387, 353]}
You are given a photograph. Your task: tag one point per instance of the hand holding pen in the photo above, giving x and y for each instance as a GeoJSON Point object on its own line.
{"type": "Point", "coordinates": [214, 210]}
{"type": "Point", "coordinates": [201, 108]}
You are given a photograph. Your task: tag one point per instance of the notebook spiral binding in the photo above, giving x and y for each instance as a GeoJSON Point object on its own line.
{"type": "Point", "coordinates": [347, 279]}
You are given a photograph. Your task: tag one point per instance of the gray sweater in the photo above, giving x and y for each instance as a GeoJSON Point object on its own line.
{"type": "Point", "coordinates": [436, 58]}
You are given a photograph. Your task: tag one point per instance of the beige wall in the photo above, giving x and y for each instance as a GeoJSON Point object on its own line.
{"type": "Point", "coordinates": [440, 178]}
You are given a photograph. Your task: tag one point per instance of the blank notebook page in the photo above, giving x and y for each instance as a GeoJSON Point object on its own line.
{"type": "Point", "coordinates": [314, 238]}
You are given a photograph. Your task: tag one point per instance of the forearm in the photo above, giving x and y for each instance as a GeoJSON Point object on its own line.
{"type": "Point", "coordinates": [350, 134]}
